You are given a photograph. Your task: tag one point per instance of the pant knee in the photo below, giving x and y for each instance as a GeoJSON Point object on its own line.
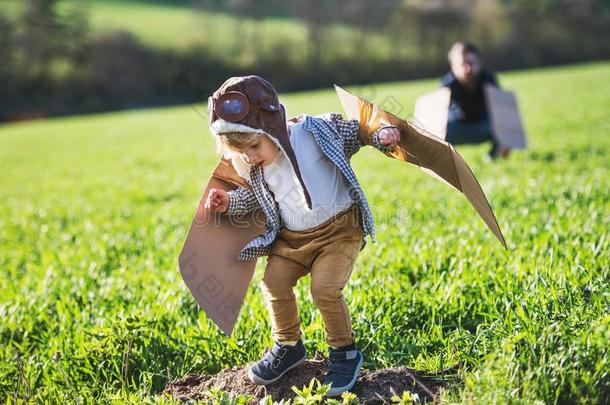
{"type": "Point", "coordinates": [323, 294]}
{"type": "Point", "coordinates": [276, 286]}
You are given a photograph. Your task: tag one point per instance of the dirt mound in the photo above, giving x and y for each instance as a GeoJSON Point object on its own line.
{"type": "Point", "coordinates": [371, 387]}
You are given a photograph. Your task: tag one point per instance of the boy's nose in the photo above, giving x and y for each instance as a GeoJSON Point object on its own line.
{"type": "Point", "coordinates": [251, 156]}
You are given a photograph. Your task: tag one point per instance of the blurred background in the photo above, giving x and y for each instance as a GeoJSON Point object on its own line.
{"type": "Point", "coordinates": [63, 57]}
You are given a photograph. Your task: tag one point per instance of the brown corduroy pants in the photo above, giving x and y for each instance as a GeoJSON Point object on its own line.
{"type": "Point", "coordinates": [328, 253]}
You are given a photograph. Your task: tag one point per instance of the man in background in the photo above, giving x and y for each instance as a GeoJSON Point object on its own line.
{"type": "Point", "coordinates": [468, 120]}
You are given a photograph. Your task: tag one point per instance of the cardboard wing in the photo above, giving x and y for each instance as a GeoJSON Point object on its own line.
{"type": "Point", "coordinates": [432, 111]}
{"type": "Point", "coordinates": [505, 118]}
{"type": "Point", "coordinates": [430, 153]}
{"type": "Point", "coordinates": [208, 261]}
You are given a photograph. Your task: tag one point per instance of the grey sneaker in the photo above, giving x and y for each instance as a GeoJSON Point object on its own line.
{"type": "Point", "coordinates": [276, 362]}
{"type": "Point", "coordinates": [344, 366]}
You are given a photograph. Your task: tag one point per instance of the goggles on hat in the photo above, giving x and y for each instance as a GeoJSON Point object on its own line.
{"type": "Point", "coordinates": [233, 106]}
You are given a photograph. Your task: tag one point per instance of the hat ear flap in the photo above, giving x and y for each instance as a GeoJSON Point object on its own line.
{"type": "Point", "coordinates": [276, 123]}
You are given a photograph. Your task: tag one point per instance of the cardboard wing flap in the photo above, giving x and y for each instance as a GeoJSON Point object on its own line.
{"type": "Point", "coordinates": [208, 261]}
{"type": "Point", "coordinates": [505, 118]}
{"type": "Point", "coordinates": [432, 154]}
{"type": "Point", "coordinates": [432, 111]}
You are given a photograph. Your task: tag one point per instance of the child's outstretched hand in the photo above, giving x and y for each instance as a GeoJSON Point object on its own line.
{"type": "Point", "coordinates": [217, 201]}
{"type": "Point", "coordinates": [389, 136]}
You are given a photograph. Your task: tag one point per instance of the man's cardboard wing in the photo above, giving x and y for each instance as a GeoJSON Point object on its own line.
{"type": "Point", "coordinates": [208, 261]}
{"type": "Point", "coordinates": [505, 118]}
{"type": "Point", "coordinates": [430, 153]}
{"type": "Point", "coordinates": [432, 111]}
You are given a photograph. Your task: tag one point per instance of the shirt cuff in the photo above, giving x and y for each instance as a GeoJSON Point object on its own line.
{"type": "Point", "coordinates": [233, 208]}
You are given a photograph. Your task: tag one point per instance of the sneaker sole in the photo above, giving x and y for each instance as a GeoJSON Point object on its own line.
{"type": "Point", "coordinates": [339, 390]}
{"type": "Point", "coordinates": [257, 380]}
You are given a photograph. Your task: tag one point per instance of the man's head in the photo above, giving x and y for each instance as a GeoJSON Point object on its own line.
{"type": "Point", "coordinates": [465, 62]}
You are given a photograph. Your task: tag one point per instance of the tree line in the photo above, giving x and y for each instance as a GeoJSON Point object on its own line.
{"type": "Point", "coordinates": [54, 64]}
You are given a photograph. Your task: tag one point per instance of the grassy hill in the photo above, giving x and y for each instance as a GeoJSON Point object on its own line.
{"type": "Point", "coordinates": [164, 25]}
{"type": "Point", "coordinates": [95, 209]}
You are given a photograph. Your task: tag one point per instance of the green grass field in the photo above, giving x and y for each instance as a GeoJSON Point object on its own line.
{"type": "Point", "coordinates": [95, 210]}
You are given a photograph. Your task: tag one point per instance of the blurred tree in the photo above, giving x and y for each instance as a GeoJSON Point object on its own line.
{"type": "Point", "coordinates": [211, 5]}
{"type": "Point", "coordinates": [10, 82]}
{"type": "Point", "coordinates": [367, 16]}
{"type": "Point", "coordinates": [249, 35]}
{"type": "Point", "coordinates": [122, 70]}
{"type": "Point", "coordinates": [47, 36]}
{"type": "Point", "coordinates": [402, 32]}
{"type": "Point", "coordinates": [536, 6]}
{"type": "Point", "coordinates": [438, 24]}
{"type": "Point", "coordinates": [7, 46]}
{"type": "Point", "coordinates": [317, 15]}
{"type": "Point", "coordinates": [38, 38]}
{"type": "Point", "coordinates": [587, 25]}
{"type": "Point", "coordinates": [489, 25]}
{"type": "Point", "coordinates": [246, 8]}
{"type": "Point", "coordinates": [75, 31]}
{"type": "Point", "coordinates": [205, 11]}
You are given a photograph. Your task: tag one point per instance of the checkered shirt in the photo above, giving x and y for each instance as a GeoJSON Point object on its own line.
{"type": "Point", "coordinates": [338, 140]}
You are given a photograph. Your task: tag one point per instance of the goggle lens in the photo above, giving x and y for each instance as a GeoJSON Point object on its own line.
{"type": "Point", "coordinates": [232, 106]}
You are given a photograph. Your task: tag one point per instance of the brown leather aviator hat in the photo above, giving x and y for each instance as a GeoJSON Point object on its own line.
{"type": "Point", "coordinates": [251, 104]}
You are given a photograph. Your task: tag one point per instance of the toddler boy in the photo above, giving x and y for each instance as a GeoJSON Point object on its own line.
{"type": "Point", "coordinates": [317, 216]}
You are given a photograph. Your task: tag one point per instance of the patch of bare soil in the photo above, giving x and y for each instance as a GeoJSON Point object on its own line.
{"type": "Point", "coordinates": [372, 387]}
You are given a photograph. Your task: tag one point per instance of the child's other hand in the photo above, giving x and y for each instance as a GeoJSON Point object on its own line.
{"type": "Point", "coordinates": [217, 201]}
{"type": "Point", "coordinates": [389, 136]}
